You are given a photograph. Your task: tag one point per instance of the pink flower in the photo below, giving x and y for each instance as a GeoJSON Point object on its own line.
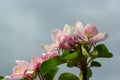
{"type": "Point", "coordinates": [61, 39]}
{"type": "Point", "coordinates": [89, 34]}
{"type": "Point", "coordinates": [66, 42]}
{"type": "Point", "coordinates": [35, 63]}
{"type": "Point", "coordinates": [19, 70]}
{"type": "Point", "coordinates": [48, 55]}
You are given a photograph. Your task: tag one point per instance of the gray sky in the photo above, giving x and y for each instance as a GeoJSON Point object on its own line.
{"type": "Point", "coordinates": [25, 24]}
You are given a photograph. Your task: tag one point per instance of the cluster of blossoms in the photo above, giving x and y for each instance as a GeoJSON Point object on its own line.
{"type": "Point", "coordinates": [70, 37]}
{"type": "Point", "coordinates": [78, 39]}
{"type": "Point", "coordinates": [29, 71]}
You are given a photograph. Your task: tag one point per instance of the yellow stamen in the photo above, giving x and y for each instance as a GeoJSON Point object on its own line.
{"type": "Point", "coordinates": [18, 70]}
{"type": "Point", "coordinates": [90, 35]}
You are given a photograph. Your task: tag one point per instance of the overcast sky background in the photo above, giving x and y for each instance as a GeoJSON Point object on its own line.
{"type": "Point", "coordinates": [25, 24]}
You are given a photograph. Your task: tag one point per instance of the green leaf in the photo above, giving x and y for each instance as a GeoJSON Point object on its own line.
{"type": "Point", "coordinates": [65, 53]}
{"type": "Point", "coordinates": [81, 75]}
{"type": "Point", "coordinates": [84, 51]}
{"type": "Point", "coordinates": [70, 64]}
{"type": "Point", "coordinates": [95, 64]}
{"type": "Point", "coordinates": [103, 51]}
{"type": "Point", "coordinates": [50, 75]}
{"type": "Point", "coordinates": [89, 73]}
{"type": "Point", "coordinates": [50, 64]}
{"type": "Point", "coordinates": [94, 54]}
{"type": "Point", "coordinates": [70, 56]}
{"type": "Point", "coordinates": [2, 78]}
{"type": "Point", "coordinates": [68, 76]}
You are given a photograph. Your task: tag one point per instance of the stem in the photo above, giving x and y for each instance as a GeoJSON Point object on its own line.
{"type": "Point", "coordinates": [83, 69]}
{"type": "Point", "coordinates": [40, 76]}
{"type": "Point", "coordinates": [83, 74]}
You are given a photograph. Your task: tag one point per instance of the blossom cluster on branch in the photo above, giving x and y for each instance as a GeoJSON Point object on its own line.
{"type": "Point", "coordinates": [77, 46]}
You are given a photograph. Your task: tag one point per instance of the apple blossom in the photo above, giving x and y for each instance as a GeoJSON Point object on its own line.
{"type": "Point", "coordinates": [61, 39]}
{"type": "Point", "coordinates": [19, 70]}
{"type": "Point", "coordinates": [78, 48]}
{"type": "Point", "coordinates": [88, 34]}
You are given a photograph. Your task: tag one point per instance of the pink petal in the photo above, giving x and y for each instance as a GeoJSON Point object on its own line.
{"type": "Point", "coordinates": [48, 55]}
{"type": "Point", "coordinates": [21, 62]}
{"type": "Point", "coordinates": [45, 57]}
{"type": "Point", "coordinates": [53, 54]}
{"type": "Point", "coordinates": [16, 76]}
{"type": "Point", "coordinates": [66, 42]}
{"type": "Point", "coordinates": [90, 28]}
{"type": "Point", "coordinates": [36, 60]}
{"type": "Point", "coordinates": [80, 32]}
{"type": "Point", "coordinates": [50, 47]}
{"type": "Point", "coordinates": [81, 35]}
{"type": "Point", "coordinates": [55, 33]}
{"type": "Point", "coordinates": [99, 37]}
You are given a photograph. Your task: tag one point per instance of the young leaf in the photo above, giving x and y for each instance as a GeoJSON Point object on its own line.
{"type": "Point", "coordinates": [94, 54]}
{"type": "Point", "coordinates": [103, 51]}
{"type": "Point", "coordinates": [95, 64]}
{"type": "Point", "coordinates": [2, 78]}
{"type": "Point", "coordinates": [50, 64]}
{"type": "Point", "coordinates": [68, 76]}
{"type": "Point", "coordinates": [70, 56]}
{"type": "Point", "coordinates": [50, 75]}
{"type": "Point", "coordinates": [84, 51]}
{"type": "Point", "coordinates": [89, 73]}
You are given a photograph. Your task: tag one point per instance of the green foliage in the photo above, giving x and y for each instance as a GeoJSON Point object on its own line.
{"type": "Point", "coordinates": [68, 76]}
{"type": "Point", "coordinates": [69, 56]}
{"type": "Point", "coordinates": [89, 73]}
{"type": "Point", "coordinates": [65, 53]}
{"type": "Point", "coordinates": [94, 54]}
{"type": "Point", "coordinates": [50, 64]}
{"type": "Point", "coordinates": [95, 64]}
{"type": "Point", "coordinates": [50, 75]}
{"type": "Point", "coordinates": [84, 51]}
{"type": "Point", "coordinates": [103, 51]}
{"type": "Point", "coordinates": [70, 64]}
{"type": "Point", "coordinates": [2, 78]}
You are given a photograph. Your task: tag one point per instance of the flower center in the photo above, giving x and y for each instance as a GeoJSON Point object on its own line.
{"type": "Point", "coordinates": [90, 35]}
{"type": "Point", "coordinates": [19, 70]}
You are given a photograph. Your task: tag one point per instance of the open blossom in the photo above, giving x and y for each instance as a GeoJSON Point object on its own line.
{"type": "Point", "coordinates": [89, 33]}
{"type": "Point", "coordinates": [26, 70]}
{"type": "Point", "coordinates": [66, 39]}
{"type": "Point", "coordinates": [19, 70]}
{"type": "Point", "coordinates": [61, 39]}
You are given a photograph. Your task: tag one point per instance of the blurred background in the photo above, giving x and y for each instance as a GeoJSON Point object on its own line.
{"type": "Point", "coordinates": [26, 24]}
